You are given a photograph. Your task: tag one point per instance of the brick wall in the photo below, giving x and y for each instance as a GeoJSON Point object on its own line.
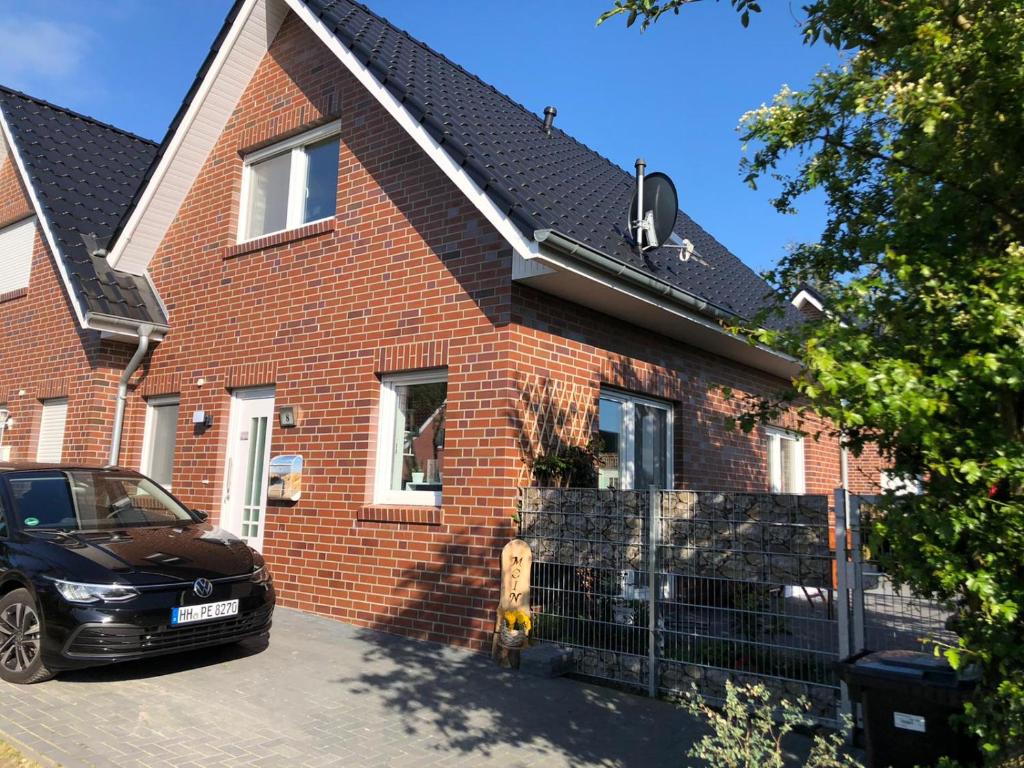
{"type": "Point", "coordinates": [407, 276]}
{"type": "Point", "coordinates": [565, 353]}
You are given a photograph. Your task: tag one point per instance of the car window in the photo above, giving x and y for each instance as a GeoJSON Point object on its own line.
{"type": "Point", "coordinates": [3, 516]}
{"type": "Point", "coordinates": [73, 500]}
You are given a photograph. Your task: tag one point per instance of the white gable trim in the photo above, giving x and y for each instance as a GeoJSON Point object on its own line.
{"type": "Point", "coordinates": [805, 297]}
{"type": "Point", "coordinates": [201, 126]}
{"type": "Point", "coordinates": [44, 224]}
{"type": "Point", "coordinates": [213, 105]}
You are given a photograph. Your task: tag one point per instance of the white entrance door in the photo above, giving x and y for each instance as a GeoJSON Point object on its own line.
{"type": "Point", "coordinates": [245, 488]}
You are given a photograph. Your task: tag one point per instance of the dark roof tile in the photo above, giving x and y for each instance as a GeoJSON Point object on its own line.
{"type": "Point", "coordinates": [540, 180]}
{"type": "Point", "coordinates": [85, 174]}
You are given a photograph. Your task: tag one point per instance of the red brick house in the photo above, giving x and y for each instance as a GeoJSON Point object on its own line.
{"type": "Point", "coordinates": [349, 249]}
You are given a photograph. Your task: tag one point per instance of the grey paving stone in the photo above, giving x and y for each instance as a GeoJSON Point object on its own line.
{"type": "Point", "coordinates": [327, 694]}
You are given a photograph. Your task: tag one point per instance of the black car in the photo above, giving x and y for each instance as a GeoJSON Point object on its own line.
{"type": "Point", "coordinates": [104, 565]}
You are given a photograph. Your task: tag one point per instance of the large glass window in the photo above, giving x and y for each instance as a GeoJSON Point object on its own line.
{"type": "Point", "coordinates": [785, 461]}
{"type": "Point", "coordinates": [636, 438]}
{"type": "Point", "coordinates": [410, 465]}
{"type": "Point", "coordinates": [290, 184]}
{"type": "Point", "coordinates": [160, 438]}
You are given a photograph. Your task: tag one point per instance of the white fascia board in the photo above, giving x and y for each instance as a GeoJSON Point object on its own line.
{"type": "Point", "coordinates": [44, 223]}
{"type": "Point", "coordinates": [202, 125]}
{"type": "Point", "coordinates": [525, 247]}
{"type": "Point", "coordinates": [668, 318]}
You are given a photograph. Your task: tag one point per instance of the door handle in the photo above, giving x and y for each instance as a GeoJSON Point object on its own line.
{"type": "Point", "coordinates": [227, 482]}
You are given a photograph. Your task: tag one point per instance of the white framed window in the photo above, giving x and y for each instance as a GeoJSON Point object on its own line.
{"type": "Point", "coordinates": [159, 439]}
{"type": "Point", "coordinates": [785, 461]}
{"type": "Point", "coordinates": [290, 184]}
{"type": "Point", "coordinates": [636, 438]}
{"type": "Point", "coordinates": [50, 446]}
{"type": "Point", "coordinates": [16, 243]}
{"type": "Point", "coordinates": [411, 430]}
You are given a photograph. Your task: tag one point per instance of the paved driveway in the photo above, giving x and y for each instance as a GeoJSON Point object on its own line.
{"type": "Point", "coordinates": [327, 694]}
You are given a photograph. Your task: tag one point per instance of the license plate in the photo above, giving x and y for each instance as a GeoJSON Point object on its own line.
{"type": "Point", "coordinates": [188, 614]}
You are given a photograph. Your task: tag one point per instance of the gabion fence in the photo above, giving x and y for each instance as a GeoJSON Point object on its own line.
{"type": "Point", "coordinates": [674, 590]}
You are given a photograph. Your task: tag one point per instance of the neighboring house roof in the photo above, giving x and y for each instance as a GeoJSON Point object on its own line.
{"type": "Point", "coordinates": [83, 175]}
{"type": "Point", "coordinates": [539, 180]}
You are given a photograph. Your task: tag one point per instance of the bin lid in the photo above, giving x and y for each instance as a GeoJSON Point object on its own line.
{"type": "Point", "coordinates": [911, 665]}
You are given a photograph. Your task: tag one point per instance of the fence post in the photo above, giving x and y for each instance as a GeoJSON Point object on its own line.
{"type": "Point", "coordinates": [843, 590]}
{"type": "Point", "coordinates": [857, 558]}
{"type": "Point", "coordinates": [653, 524]}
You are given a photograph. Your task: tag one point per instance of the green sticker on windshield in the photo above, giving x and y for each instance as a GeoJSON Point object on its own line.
{"type": "Point", "coordinates": [31, 521]}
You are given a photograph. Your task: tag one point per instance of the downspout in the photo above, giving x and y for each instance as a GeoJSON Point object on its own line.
{"type": "Point", "coordinates": [619, 269]}
{"type": "Point", "coordinates": [122, 392]}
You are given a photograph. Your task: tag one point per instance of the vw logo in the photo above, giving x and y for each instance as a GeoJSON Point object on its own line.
{"type": "Point", "coordinates": [202, 587]}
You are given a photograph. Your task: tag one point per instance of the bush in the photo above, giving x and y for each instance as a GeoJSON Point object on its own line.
{"type": "Point", "coordinates": [748, 731]}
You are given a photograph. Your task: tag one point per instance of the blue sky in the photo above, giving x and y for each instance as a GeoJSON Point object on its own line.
{"type": "Point", "coordinates": [673, 94]}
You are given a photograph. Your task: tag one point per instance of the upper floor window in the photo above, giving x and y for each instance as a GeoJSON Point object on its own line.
{"type": "Point", "coordinates": [636, 441]}
{"type": "Point", "coordinates": [16, 242]}
{"type": "Point", "coordinates": [290, 184]}
{"type": "Point", "coordinates": [785, 461]}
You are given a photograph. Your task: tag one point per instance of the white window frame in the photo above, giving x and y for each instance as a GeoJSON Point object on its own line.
{"type": "Point", "coordinates": [383, 493]}
{"type": "Point", "coordinates": [775, 437]}
{"type": "Point", "coordinates": [296, 179]}
{"type": "Point", "coordinates": [152, 404]}
{"type": "Point", "coordinates": [628, 401]}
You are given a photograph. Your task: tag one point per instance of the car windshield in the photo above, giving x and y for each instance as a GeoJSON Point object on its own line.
{"type": "Point", "coordinates": [84, 500]}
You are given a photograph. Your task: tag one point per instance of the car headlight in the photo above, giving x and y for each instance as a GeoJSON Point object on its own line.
{"type": "Point", "coordinates": [76, 592]}
{"type": "Point", "coordinates": [261, 575]}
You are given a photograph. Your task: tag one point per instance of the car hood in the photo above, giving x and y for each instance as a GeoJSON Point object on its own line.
{"type": "Point", "coordinates": [158, 554]}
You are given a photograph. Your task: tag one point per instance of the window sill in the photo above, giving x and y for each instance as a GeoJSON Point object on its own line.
{"type": "Point", "coordinates": [393, 513]}
{"type": "Point", "coordinates": [280, 238]}
{"type": "Point", "coordinates": [17, 293]}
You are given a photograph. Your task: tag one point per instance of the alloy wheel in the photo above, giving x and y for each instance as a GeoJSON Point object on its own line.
{"type": "Point", "coordinates": [19, 637]}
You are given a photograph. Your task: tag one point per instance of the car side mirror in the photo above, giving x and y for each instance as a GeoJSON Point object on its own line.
{"type": "Point", "coordinates": [203, 516]}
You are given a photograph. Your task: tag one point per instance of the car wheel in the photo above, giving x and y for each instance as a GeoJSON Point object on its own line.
{"type": "Point", "coordinates": [21, 640]}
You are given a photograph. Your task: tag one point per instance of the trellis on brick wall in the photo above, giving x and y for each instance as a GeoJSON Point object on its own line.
{"type": "Point", "coordinates": [552, 414]}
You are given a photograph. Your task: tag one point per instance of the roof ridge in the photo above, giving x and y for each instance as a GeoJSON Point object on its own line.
{"type": "Point", "coordinates": [76, 114]}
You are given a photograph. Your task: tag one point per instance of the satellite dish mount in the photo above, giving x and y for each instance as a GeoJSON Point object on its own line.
{"type": "Point", "coordinates": [652, 213]}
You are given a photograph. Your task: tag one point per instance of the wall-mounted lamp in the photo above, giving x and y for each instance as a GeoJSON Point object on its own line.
{"type": "Point", "coordinates": [202, 419]}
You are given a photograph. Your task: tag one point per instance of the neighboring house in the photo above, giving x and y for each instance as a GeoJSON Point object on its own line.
{"type": "Point", "coordinates": [64, 312]}
{"type": "Point", "coordinates": [373, 260]}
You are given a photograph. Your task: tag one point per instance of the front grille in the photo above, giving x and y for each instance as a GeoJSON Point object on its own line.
{"type": "Point", "coordinates": [111, 641]}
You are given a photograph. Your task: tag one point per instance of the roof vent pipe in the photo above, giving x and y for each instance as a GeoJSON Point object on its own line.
{"type": "Point", "coordinates": [549, 119]}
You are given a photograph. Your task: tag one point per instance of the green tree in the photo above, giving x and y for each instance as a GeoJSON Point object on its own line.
{"type": "Point", "coordinates": [917, 140]}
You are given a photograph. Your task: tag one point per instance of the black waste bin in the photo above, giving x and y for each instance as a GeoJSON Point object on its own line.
{"type": "Point", "coordinates": [907, 699]}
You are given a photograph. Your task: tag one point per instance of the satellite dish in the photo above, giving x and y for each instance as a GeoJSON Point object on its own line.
{"type": "Point", "coordinates": [661, 206]}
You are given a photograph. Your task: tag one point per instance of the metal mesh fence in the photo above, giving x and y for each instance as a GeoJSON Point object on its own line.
{"type": "Point", "coordinates": [674, 590]}
{"type": "Point", "coordinates": [886, 616]}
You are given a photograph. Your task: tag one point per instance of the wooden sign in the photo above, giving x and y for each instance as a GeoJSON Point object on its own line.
{"type": "Point", "coordinates": [516, 561]}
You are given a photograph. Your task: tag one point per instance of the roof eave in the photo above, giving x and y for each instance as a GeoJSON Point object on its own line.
{"type": "Point", "coordinates": [680, 315]}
